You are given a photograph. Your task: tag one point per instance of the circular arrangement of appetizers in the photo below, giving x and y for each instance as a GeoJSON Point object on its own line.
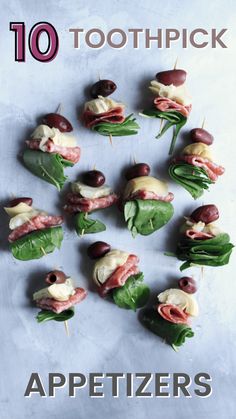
{"type": "Point", "coordinates": [116, 273]}
{"type": "Point", "coordinates": [146, 201]}
{"type": "Point", "coordinates": [202, 242]}
{"type": "Point", "coordinates": [88, 195]}
{"type": "Point", "coordinates": [172, 102]}
{"type": "Point", "coordinates": [58, 299]}
{"type": "Point", "coordinates": [51, 149]}
{"type": "Point", "coordinates": [106, 116]}
{"type": "Point", "coordinates": [194, 169]}
{"type": "Point", "coordinates": [34, 232]}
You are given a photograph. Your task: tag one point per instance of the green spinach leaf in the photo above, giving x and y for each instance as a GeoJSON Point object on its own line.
{"type": "Point", "coordinates": [85, 225]}
{"type": "Point", "coordinates": [47, 166]}
{"type": "Point", "coordinates": [128, 127]}
{"type": "Point", "coordinates": [173, 118]}
{"type": "Point", "coordinates": [134, 293]}
{"type": "Point", "coordinates": [146, 216]}
{"type": "Point", "coordinates": [47, 315]}
{"type": "Point", "coordinates": [37, 243]}
{"type": "Point", "coordinates": [174, 334]}
{"type": "Point", "coordinates": [193, 179]}
{"type": "Point", "coordinates": [210, 252]}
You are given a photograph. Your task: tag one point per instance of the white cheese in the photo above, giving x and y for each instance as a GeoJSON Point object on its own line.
{"type": "Point", "coordinates": [198, 149]}
{"type": "Point", "coordinates": [102, 104]}
{"type": "Point", "coordinates": [58, 292]}
{"type": "Point", "coordinates": [18, 209]}
{"type": "Point", "coordinates": [43, 132]}
{"type": "Point", "coordinates": [181, 299]}
{"type": "Point", "coordinates": [178, 94]}
{"type": "Point", "coordinates": [211, 228]}
{"type": "Point", "coordinates": [22, 218]}
{"type": "Point", "coordinates": [89, 191]}
{"type": "Point", "coordinates": [105, 266]}
{"type": "Point", "coordinates": [146, 183]}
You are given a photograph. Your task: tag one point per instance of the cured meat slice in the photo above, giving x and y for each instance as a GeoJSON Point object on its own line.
{"type": "Point", "coordinates": [39, 222]}
{"type": "Point", "coordinates": [59, 306]}
{"type": "Point", "coordinates": [114, 116]}
{"type": "Point", "coordinates": [68, 153]}
{"type": "Point", "coordinates": [213, 170]}
{"type": "Point", "coordinates": [120, 275]}
{"type": "Point", "coordinates": [165, 104]}
{"type": "Point", "coordinates": [143, 195]}
{"type": "Point", "coordinates": [77, 203]}
{"type": "Point", "coordinates": [172, 313]}
{"type": "Point", "coordinates": [198, 235]}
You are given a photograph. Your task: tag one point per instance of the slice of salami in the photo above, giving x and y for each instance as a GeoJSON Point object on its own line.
{"type": "Point", "coordinates": [120, 275]}
{"type": "Point", "coordinates": [114, 116]}
{"type": "Point", "coordinates": [59, 306]}
{"type": "Point", "coordinates": [172, 313]}
{"type": "Point", "coordinates": [144, 195]}
{"type": "Point", "coordinates": [198, 235]}
{"type": "Point", "coordinates": [213, 170]}
{"type": "Point", "coordinates": [165, 104]}
{"type": "Point", "coordinates": [68, 153]}
{"type": "Point", "coordinates": [78, 204]}
{"type": "Point", "coordinates": [39, 222]}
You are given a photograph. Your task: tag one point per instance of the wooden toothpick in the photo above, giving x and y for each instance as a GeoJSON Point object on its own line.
{"type": "Point", "coordinates": [203, 122]}
{"type": "Point", "coordinates": [110, 138]}
{"type": "Point", "coordinates": [67, 328]}
{"type": "Point", "coordinates": [59, 109]}
{"type": "Point", "coordinates": [176, 62]}
{"type": "Point", "coordinates": [134, 160]}
{"type": "Point", "coordinates": [43, 251]}
{"type": "Point", "coordinates": [202, 273]}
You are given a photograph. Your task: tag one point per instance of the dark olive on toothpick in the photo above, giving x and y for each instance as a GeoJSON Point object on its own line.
{"type": "Point", "coordinates": [102, 88]}
{"type": "Point", "coordinates": [98, 249]}
{"type": "Point", "coordinates": [55, 120]}
{"type": "Point", "coordinates": [94, 178]}
{"type": "Point", "coordinates": [24, 200]}
{"type": "Point", "coordinates": [200, 135]}
{"type": "Point", "coordinates": [139, 169]}
{"type": "Point", "coordinates": [56, 277]}
{"type": "Point", "coordinates": [175, 77]}
{"type": "Point", "coordinates": [206, 213]}
{"type": "Point", "coordinates": [187, 284]}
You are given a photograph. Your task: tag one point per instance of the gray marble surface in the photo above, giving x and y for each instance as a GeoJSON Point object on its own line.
{"type": "Point", "coordinates": [103, 337]}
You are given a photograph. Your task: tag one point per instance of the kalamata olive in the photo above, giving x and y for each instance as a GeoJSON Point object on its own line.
{"type": "Point", "coordinates": [175, 77]}
{"type": "Point", "coordinates": [98, 249]}
{"type": "Point", "coordinates": [102, 88]}
{"type": "Point", "coordinates": [187, 284]}
{"type": "Point", "coordinates": [16, 201]}
{"type": "Point", "coordinates": [56, 277]}
{"type": "Point", "coordinates": [55, 120]}
{"type": "Point", "coordinates": [94, 178]}
{"type": "Point", "coordinates": [139, 169]}
{"type": "Point", "coordinates": [200, 135]}
{"type": "Point", "coordinates": [206, 213]}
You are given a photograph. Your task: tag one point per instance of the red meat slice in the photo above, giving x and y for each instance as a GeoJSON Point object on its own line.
{"type": "Point", "coordinates": [77, 203]}
{"type": "Point", "coordinates": [165, 104]}
{"type": "Point", "coordinates": [39, 222]}
{"type": "Point", "coordinates": [68, 153]}
{"type": "Point", "coordinates": [172, 313]}
{"type": "Point", "coordinates": [120, 275]}
{"type": "Point", "coordinates": [198, 235]}
{"type": "Point", "coordinates": [213, 170]}
{"type": "Point", "coordinates": [144, 195]}
{"type": "Point", "coordinates": [59, 306]}
{"type": "Point", "coordinates": [114, 116]}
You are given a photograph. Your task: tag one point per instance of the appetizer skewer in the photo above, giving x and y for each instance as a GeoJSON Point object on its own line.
{"type": "Point", "coordinates": [146, 201]}
{"type": "Point", "coordinates": [57, 300]}
{"type": "Point", "coordinates": [34, 232]}
{"type": "Point", "coordinates": [194, 169]}
{"type": "Point", "coordinates": [51, 149]}
{"type": "Point", "coordinates": [202, 242]}
{"type": "Point", "coordinates": [172, 102]}
{"type": "Point", "coordinates": [117, 273]}
{"type": "Point", "coordinates": [105, 115]}
{"type": "Point", "coordinates": [87, 196]}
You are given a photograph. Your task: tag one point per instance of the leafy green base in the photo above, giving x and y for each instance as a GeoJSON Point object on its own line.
{"type": "Point", "coordinates": [85, 225]}
{"type": "Point", "coordinates": [134, 293]}
{"type": "Point", "coordinates": [128, 127]}
{"type": "Point", "coordinates": [210, 252]}
{"type": "Point", "coordinates": [47, 166]}
{"type": "Point", "coordinates": [173, 118]}
{"type": "Point", "coordinates": [146, 216]}
{"type": "Point", "coordinates": [174, 334]}
{"type": "Point", "coordinates": [47, 315]}
{"type": "Point", "coordinates": [193, 179]}
{"type": "Point", "coordinates": [37, 243]}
